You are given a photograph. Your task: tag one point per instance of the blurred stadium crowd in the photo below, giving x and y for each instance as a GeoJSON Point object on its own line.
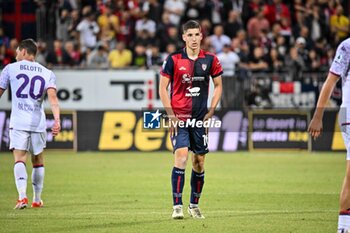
{"type": "Point", "coordinates": [272, 36]}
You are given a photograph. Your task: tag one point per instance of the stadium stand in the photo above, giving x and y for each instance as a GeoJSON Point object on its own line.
{"type": "Point", "coordinates": [275, 40]}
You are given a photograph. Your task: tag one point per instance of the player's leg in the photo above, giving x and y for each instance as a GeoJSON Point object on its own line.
{"type": "Point", "coordinates": [199, 145]}
{"type": "Point", "coordinates": [38, 174]}
{"type": "Point", "coordinates": [344, 201]}
{"type": "Point", "coordinates": [180, 145]}
{"type": "Point", "coordinates": [19, 146]}
{"type": "Point", "coordinates": [38, 143]}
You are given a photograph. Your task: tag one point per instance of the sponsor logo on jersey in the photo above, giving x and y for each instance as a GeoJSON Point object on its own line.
{"type": "Point", "coordinates": [194, 91]}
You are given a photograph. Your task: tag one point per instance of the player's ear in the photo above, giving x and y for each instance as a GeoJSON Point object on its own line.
{"type": "Point", "coordinates": [183, 37]}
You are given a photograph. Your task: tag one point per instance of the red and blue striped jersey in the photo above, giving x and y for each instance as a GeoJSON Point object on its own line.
{"type": "Point", "coordinates": [189, 81]}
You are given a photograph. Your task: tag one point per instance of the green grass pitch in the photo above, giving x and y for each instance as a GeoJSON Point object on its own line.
{"type": "Point", "coordinates": [130, 192]}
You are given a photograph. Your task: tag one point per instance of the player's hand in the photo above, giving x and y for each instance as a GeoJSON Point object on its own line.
{"type": "Point", "coordinates": [208, 115]}
{"type": "Point", "coordinates": [56, 128]}
{"type": "Point", "coordinates": [315, 128]}
{"type": "Point", "coordinates": [206, 118]}
{"type": "Point", "coordinates": [173, 130]}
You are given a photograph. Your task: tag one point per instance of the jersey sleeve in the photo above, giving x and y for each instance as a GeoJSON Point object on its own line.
{"type": "Point", "coordinates": [216, 68]}
{"type": "Point", "coordinates": [167, 69]}
{"type": "Point", "coordinates": [341, 61]}
{"type": "Point", "coordinates": [52, 81]}
{"type": "Point", "coordinates": [5, 78]}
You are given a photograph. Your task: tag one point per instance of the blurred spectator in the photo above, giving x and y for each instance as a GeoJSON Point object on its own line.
{"type": "Point", "coordinates": [55, 55]}
{"type": "Point", "coordinates": [275, 11]}
{"type": "Point", "coordinates": [192, 11]}
{"type": "Point", "coordinates": [175, 8]}
{"type": "Point", "coordinates": [4, 40]}
{"type": "Point", "coordinates": [206, 27]}
{"type": "Point", "coordinates": [98, 58]}
{"type": "Point", "coordinates": [339, 24]}
{"type": "Point", "coordinates": [258, 61]}
{"type": "Point", "coordinates": [120, 57]}
{"type": "Point", "coordinates": [88, 30]}
{"type": "Point", "coordinates": [294, 65]}
{"type": "Point", "coordinates": [316, 23]}
{"type": "Point", "coordinates": [109, 25]}
{"type": "Point", "coordinates": [233, 24]}
{"type": "Point", "coordinates": [2, 55]}
{"type": "Point", "coordinates": [275, 61]}
{"type": "Point", "coordinates": [154, 57]}
{"type": "Point", "coordinates": [300, 45]}
{"type": "Point", "coordinates": [172, 37]}
{"type": "Point", "coordinates": [170, 48]}
{"type": "Point", "coordinates": [73, 24]}
{"type": "Point", "coordinates": [215, 8]}
{"type": "Point", "coordinates": [314, 62]}
{"type": "Point", "coordinates": [229, 61]}
{"type": "Point", "coordinates": [10, 54]}
{"type": "Point", "coordinates": [42, 53]}
{"type": "Point", "coordinates": [256, 24]}
{"type": "Point", "coordinates": [219, 39]}
{"type": "Point", "coordinates": [147, 25]}
{"type": "Point", "coordinates": [139, 57]}
{"type": "Point", "coordinates": [143, 37]}
{"type": "Point", "coordinates": [71, 56]}
{"type": "Point", "coordinates": [63, 22]}
{"type": "Point", "coordinates": [250, 8]}
{"type": "Point", "coordinates": [126, 27]}
{"type": "Point", "coordinates": [232, 5]}
{"type": "Point", "coordinates": [153, 9]}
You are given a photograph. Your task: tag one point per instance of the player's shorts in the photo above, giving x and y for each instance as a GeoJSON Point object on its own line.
{"type": "Point", "coordinates": [345, 132]}
{"type": "Point", "coordinates": [33, 142]}
{"type": "Point", "coordinates": [196, 139]}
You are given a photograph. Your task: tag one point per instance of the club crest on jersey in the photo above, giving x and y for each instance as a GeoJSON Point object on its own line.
{"type": "Point", "coordinates": [204, 67]}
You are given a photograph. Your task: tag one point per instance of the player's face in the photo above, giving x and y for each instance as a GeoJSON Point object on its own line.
{"type": "Point", "coordinates": [20, 54]}
{"type": "Point", "coordinates": [192, 38]}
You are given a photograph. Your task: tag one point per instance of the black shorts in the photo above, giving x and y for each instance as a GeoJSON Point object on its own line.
{"type": "Point", "coordinates": [195, 138]}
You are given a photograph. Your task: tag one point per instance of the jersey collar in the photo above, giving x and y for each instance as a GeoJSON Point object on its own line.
{"type": "Point", "coordinates": [200, 55]}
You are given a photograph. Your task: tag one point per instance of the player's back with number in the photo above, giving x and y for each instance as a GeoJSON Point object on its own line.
{"type": "Point", "coordinates": [29, 82]}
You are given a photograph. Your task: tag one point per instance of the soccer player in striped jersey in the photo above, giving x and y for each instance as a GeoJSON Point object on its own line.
{"type": "Point", "coordinates": [188, 73]}
{"type": "Point", "coordinates": [29, 82]}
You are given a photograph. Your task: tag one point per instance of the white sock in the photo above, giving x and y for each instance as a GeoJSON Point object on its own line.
{"type": "Point", "coordinates": [21, 177]}
{"type": "Point", "coordinates": [38, 174]}
{"type": "Point", "coordinates": [344, 222]}
{"type": "Point", "coordinates": [193, 205]}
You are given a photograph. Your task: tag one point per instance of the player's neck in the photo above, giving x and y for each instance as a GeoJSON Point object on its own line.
{"type": "Point", "coordinates": [31, 59]}
{"type": "Point", "coordinates": [192, 53]}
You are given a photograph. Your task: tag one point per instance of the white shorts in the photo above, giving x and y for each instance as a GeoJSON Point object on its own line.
{"type": "Point", "coordinates": [29, 141]}
{"type": "Point", "coordinates": [345, 132]}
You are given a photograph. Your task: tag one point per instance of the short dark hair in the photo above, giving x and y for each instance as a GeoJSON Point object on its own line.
{"type": "Point", "coordinates": [29, 45]}
{"type": "Point", "coordinates": [190, 25]}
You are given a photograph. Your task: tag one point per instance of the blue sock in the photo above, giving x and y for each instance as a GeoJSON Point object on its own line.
{"type": "Point", "coordinates": [197, 182]}
{"type": "Point", "coordinates": [177, 181]}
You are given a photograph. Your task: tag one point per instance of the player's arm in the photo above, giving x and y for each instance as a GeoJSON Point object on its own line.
{"type": "Point", "coordinates": [164, 97]}
{"type": "Point", "coordinates": [4, 80]}
{"type": "Point", "coordinates": [315, 127]}
{"type": "Point", "coordinates": [216, 97]}
{"type": "Point", "coordinates": [55, 108]}
{"type": "Point", "coordinates": [1, 92]}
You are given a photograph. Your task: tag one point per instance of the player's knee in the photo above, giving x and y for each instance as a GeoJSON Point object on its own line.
{"type": "Point", "coordinates": [37, 160]}
{"type": "Point", "coordinates": [198, 165]}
